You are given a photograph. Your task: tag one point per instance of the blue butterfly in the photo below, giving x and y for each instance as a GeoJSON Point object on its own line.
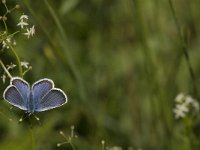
{"type": "Point", "coordinates": [41, 96]}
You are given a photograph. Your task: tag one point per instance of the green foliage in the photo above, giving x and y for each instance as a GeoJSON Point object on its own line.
{"type": "Point", "coordinates": [121, 63]}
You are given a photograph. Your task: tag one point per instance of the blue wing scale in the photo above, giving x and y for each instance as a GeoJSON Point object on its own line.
{"type": "Point", "coordinates": [14, 97]}
{"type": "Point", "coordinates": [40, 89]}
{"type": "Point", "coordinates": [22, 86]}
{"type": "Point", "coordinates": [54, 98]}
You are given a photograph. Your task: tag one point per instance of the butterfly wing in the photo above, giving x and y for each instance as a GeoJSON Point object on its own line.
{"type": "Point", "coordinates": [40, 89]}
{"type": "Point", "coordinates": [14, 97]}
{"type": "Point", "coordinates": [54, 98]}
{"type": "Point", "coordinates": [18, 93]}
{"type": "Point", "coordinates": [22, 86]}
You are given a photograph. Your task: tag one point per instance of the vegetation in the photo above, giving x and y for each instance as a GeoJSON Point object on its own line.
{"type": "Point", "coordinates": [121, 63]}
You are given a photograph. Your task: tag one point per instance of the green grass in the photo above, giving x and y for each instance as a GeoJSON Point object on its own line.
{"type": "Point", "coordinates": [121, 63]}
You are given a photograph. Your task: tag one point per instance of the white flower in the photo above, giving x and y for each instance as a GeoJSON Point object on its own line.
{"type": "Point", "coordinates": [3, 78]}
{"type": "Point", "coordinates": [115, 148]}
{"type": "Point", "coordinates": [179, 98]}
{"type": "Point", "coordinates": [181, 110]}
{"type": "Point", "coordinates": [185, 104]}
{"type": "Point", "coordinates": [11, 66]}
{"type": "Point", "coordinates": [182, 107]}
{"type": "Point", "coordinates": [23, 17]}
{"type": "Point", "coordinates": [179, 113]}
{"type": "Point", "coordinates": [30, 32]}
{"type": "Point", "coordinates": [14, 42]}
{"type": "Point", "coordinates": [195, 104]}
{"type": "Point", "coordinates": [4, 43]}
{"type": "Point", "coordinates": [25, 64]}
{"type": "Point", "coordinates": [22, 23]}
{"type": "Point", "coordinates": [189, 100]}
{"type": "Point", "coordinates": [8, 40]}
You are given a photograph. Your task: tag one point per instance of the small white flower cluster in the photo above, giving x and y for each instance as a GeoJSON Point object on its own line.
{"type": "Point", "coordinates": [6, 41]}
{"type": "Point", "coordinates": [69, 138]}
{"type": "Point", "coordinates": [25, 65]}
{"type": "Point", "coordinates": [110, 148]}
{"type": "Point", "coordinates": [23, 23]}
{"type": "Point", "coordinates": [114, 148]}
{"type": "Point", "coordinates": [8, 67]}
{"type": "Point", "coordinates": [184, 104]}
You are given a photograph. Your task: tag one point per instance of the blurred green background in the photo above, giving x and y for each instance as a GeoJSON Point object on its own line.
{"type": "Point", "coordinates": [121, 64]}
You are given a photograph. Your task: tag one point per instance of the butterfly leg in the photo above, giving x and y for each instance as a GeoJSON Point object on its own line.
{"type": "Point", "coordinates": [23, 117]}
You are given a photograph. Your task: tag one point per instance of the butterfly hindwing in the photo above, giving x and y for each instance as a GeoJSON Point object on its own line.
{"type": "Point", "coordinates": [40, 89]}
{"type": "Point", "coordinates": [54, 98]}
{"type": "Point", "coordinates": [14, 97]}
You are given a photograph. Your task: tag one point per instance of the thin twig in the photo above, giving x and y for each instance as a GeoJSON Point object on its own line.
{"type": "Point", "coordinates": [5, 69]}
{"type": "Point", "coordinates": [17, 58]}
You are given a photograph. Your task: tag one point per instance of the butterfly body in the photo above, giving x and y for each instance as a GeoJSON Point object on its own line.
{"type": "Point", "coordinates": [31, 104]}
{"type": "Point", "coordinates": [41, 96]}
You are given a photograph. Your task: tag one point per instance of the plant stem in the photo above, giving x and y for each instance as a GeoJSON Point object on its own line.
{"type": "Point", "coordinates": [9, 36]}
{"type": "Point", "coordinates": [72, 145]}
{"type": "Point", "coordinates": [184, 48]}
{"type": "Point", "coordinates": [6, 28]}
{"type": "Point", "coordinates": [7, 72]}
{"type": "Point", "coordinates": [103, 146]}
{"type": "Point", "coordinates": [17, 58]}
{"type": "Point", "coordinates": [7, 10]}
{"type": "Point", "coordinates": [71, 63]}
{"type": "Point", "coordinates": [32, 137]}
{"type": "Point", "coordinates": [26, 71]}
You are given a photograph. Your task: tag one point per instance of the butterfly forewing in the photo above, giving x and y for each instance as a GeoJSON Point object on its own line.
{"type": "Point", "coordinates": [22, 86]}
{"type": "Point", "coordinates": [54, 98]}
{"type": "Point", "coordinates": [14, 97]}
{"type": "Point", "coordinates": [40, 89]}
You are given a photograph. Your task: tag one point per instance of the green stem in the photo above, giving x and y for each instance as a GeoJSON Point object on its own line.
{"type": "Point", "coordinates": [9, 36]}
{"type": "Point", "coordinates": [72, 145]}
{"type": "Point", "coordinates": [26, 71]}
{"type": "Point", "coordinates": [7, 10]}
{"type": "Point", "coordinates": [32, 137]}
{"type": "Point", "coordinates": [71, 63]}
{"type": "Point", "coordinates": [103, 145]}
{"type": "Point", "coordinates": [17, 58]}
{"type": "Point", "coordinates": [7, 72]}
{"type": "Point", "coordinates": [184, 49]}
{"type": "Point", "coordinates": [6, 28]}
{"type": "Point", "coordinates": [68, 142]}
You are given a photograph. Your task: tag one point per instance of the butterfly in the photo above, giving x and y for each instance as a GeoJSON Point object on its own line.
{"type": "Point", "coordinates": [41, 96]}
